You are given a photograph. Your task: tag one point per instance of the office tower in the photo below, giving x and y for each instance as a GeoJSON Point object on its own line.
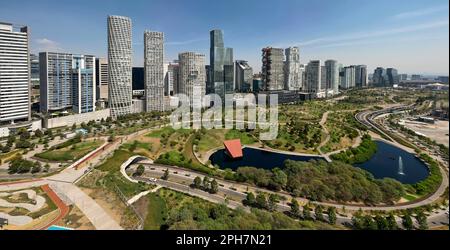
{"type": "Point", "coordinates": [83, 82]}
{"type": "Point", "coordinates": [416, 77]}
{"type": "Point", "coordinates": [360, 76]}
{"type": "Point", "coordinates": [192, 74]}
{"type": "Point", "coordinates": [379, 77]}
{"type": "Point", "coordinates": [34, 70]}
{"type": "Point", "coordinates": [171, 86]}
{"type": "Point", "coordinates": [392, 76]}
{"type": "Point", "coordinates": [313, 77]}
{"type": "Point", "coordinates": [292, 72]}
{"type": "Point", "coordinates": [119, 62]}
{"type": "Point", "coordinates": [443, 79]}
{"type": "Point", "coordinates": [101, 69]}
{"type": "Point", "coordinates": [14, 73]}
{"type": "Point", "coordinates": [302, 73]}
{"type": "Point", "coordinates": [67, 82]}
{"type": "Point", "coordinates": [154, 70]}
{"type": "Point", "coordinates": [323, 79]}
{"type": "Point", "coordinates": [272, 68]}
{"type": "Point", "coordinates": [349, 77]}
{"type": "Point", "coordinates": [221, 73]}
{"type": "Point", "coordinates": [243, 76]}
{"type": "Point", "coordinates": [332, 75]}
{"type": "Point", "coordinates": [403, 77]}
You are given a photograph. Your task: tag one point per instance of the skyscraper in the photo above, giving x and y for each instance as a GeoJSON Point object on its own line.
{"type": "Point", "coordinates": [243, 76]}
{"type": "Point", "coordinates": [349, 77]}
{"type": "Point", "coordinates": [292, 72]}
{"type": "Point", "coordinates": [332, 75]}
{"type": "Point", "coordinates": [192, 74]}
{"type": "Point", "coordinates": [67, 82]}
{"type": "Point", "coordinates": [34, 69]}
{"type": "Point", "coordinates": [392, 76]}
{"type": "Point", "coordinates": [119, 62]}
{"type": "Point", "coordinates": [272, 68]}
{"type": "Point", "coordinates": [313, 77]}
{"type": "Point", "coordinates": [379, 77]}
{"type": "Point", "coordinates": [14, 73]}
{"type": "Point", "coordinates": [171, 86]}
{"type": "Point", "coordinates": [221, 66]}
{"type": "Point", "coordinates": [154, 70]}
{"type": "Point", "coordinates": [360, 76]}
{"type": "Point", "coordinates": [101, 69]}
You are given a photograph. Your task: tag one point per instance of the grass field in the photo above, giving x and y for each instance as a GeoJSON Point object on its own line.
{"type": "Point", "coordinates": [246, 139]}
{"type": "Point", "coordinates": [70, 153]}
{"type": "Point", "coordinates": [156, 212]}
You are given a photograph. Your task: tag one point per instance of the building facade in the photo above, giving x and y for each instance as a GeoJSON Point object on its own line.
{"type": "Point", "coordinates": [313, 77]}
{"type": "Point", "coordinates": [349, 77]}
{"type": "Point", "coordinates": [101, 69]}
{"type": "Point", "coordinates": [171, 80]}
{"type": "Point", "coordinates": [379, 77]}
{"type": "Point", "coordinates": [221, 73]}
{"type": "Point", "coordinates": [292, 71]}
{"type": "Point", "coordinates": [360, 76]}
{"type": "Point", "coordinates": [392, 76]}
{"type": "Point", "coordinates": [243, 76]}
{"type": "Point", "coordinates": [332, 75]}
{"type": "Point", "coordinates": [273, 68]}
{"type": "Point", "coordinates": [154, 70]}
{"type": "Point", "coordinates": [67, 82]}
{"type": "Point", "coordinates": [14, 74]}
{"type": "Point", "coordinates": [120, 63]}
{"type": "Point", "coordinates": [192, 75]}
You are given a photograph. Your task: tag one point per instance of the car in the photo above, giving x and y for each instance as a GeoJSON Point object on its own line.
{"type": "Point", "coordinates": [152, 179]}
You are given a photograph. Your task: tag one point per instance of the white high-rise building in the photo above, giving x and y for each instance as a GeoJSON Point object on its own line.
{"type": "Point", "coordinates": [349, 77]}
{"type": "Point", "coordinates": [120, 63]}
{"type": "Point", "coordinates": [192, 74]}
{"type": "Point", "coordinates": [14, 73]}
{"type": "Point", "coordinates": [332, 75]}
{"type": "Point", "coordinates": [154, 70]}
{"type": "Point", "coordinates": [292, 71]}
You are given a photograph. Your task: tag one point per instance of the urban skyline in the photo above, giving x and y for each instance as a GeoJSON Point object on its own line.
{"type": "Point", "coordinates": [368, 40]}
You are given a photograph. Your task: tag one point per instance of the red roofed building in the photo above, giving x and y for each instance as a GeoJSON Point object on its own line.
{"type": "Point", "coordinates": [233, 148]}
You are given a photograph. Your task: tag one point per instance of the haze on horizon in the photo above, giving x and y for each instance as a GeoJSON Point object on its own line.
{"type": "Point", "coordinates": [410, 35]}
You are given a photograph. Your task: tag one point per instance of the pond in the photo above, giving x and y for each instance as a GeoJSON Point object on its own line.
{"type": "Point", "coordinates": [257, 158]}
{"type": "Point", "coordinates": [393, 162]}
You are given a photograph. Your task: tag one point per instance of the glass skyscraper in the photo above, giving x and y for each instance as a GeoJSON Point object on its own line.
{"type": "Point", "coordinates": [221, 80]}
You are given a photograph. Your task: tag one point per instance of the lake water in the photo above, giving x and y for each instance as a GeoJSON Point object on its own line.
{"type": "Point", "coordinates": [255, 158]}
{"type": "Point", "coordinates": [385, 163]}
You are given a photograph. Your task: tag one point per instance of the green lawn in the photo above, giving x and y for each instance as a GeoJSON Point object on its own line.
{"type": "Point", "coordinates": [156, 212]}
{"type": "Point", "coordinates": [158, 133]}
{"type": "Point", "coordinates": [246, 139]}
{"type": "Point", "coordinates": [70, 153]}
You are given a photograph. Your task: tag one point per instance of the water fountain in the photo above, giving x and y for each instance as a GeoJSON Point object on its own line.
{"type": "Point", "coordinates": [400, 166]}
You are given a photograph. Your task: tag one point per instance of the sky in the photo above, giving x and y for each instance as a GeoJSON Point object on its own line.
{"type": "Point", "coordinates": [410, 35]}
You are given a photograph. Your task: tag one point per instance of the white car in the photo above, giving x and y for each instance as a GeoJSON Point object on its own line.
{"type": "Point", "coordinates": [152, 179]}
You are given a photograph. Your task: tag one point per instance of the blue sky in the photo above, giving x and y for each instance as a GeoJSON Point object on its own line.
{"type": "Point", "coordinates": [410, 35]}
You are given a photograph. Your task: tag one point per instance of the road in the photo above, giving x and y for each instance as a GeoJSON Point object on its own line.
{"type": "Point", "coordinates": [238, 191]}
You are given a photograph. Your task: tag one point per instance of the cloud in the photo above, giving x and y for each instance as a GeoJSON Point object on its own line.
{"type": "Point", "coordinates": [353, 37]}
{"type": "Point", "coordinates": [187, 41]}
{"type": "Point", "coordinates": [44, 44]}
{"type": "Point", "coordinates": [418, 13]}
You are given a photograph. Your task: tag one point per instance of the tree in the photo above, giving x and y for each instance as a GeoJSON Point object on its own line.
{"type": "Point", "coordinates": [36, 167]}
{"type": "Point", "coordinates": [139, 170]}
{"type": "Point", "coordinates": [261, 201]}
{"type": "Point", "coordinates": [250, 200]}
{"type": "Point", "coordinates": [295, 208]}
{"type": "Point", "coordinates": [74, 126]}
{"type": "Point", "coordinates": [422, 221]}
{"type": "Point", "coordinates": [46, 167]}
{"type": "Point", "coordinates": [407, 222]}
{"type": "Point", "coordinates": [38, 133]}
{"type": "Point", "coordinates": [382, 222]}
{"type": "Point", "coordinates": [111, 138]}
{"type": "Point", "coordinates": [165, 175]}
{"type": "Point", "coordinates": [332, 215]}
{"type": "Point", "coordinates": [272, 204]}
{"type": "Point", "coordinates": [197, 182]}
{"type": "Point", "coordinates": [306, 212]}
{"type": "Point", "coordinates": [318, 213]}
{"type": "Point", "coordinates": [214, 187]}
{"type": "Point", "coordinates": [206, 183]}
{"type": "Point", "coordinates": [392, 223]}
{"type": "Point", "coordinates": [369, 223]}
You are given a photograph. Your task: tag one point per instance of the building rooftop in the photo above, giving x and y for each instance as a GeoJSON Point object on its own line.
{"type": "Point", "coordinates": [233, 148]}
